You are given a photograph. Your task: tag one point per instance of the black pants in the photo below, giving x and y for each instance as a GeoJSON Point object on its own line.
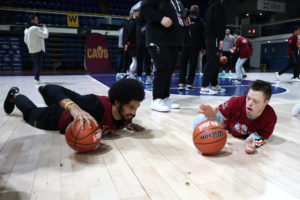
{"type": "Point", "coordinates": [143, 59]}
{"type": "Point", "coordinates": [189, 53]}
{"type": "Point", "coordinates": [37, 63]}
{"type": "Point", "coordinates": [211, 68]}
{"type": "Point", "coordinates": [165, 59]}
{"type": "Point", "coordinates": [45, 118]}
{"type": "Point", "coordinates": [293, 63]}
{"type": "Point", "coordinates": [228, 65]}
{"type": "Point", "coordinates": [125, 62]}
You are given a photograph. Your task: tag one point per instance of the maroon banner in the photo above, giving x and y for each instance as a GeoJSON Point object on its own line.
{"type": "Point", "coordinates": [96, 57]}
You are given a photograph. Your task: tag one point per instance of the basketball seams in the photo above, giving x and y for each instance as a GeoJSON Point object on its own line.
{"type": "Point", "coordinates": [88, 134]}
{"type": "Point", "coordinates": [78, 132]}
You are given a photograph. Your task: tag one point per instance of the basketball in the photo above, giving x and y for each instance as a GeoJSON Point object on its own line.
{"type": "Point", "coordinates": [223, 59]}
{"type": "Point", "coordinates": [83, 139]}
{"type": "Point", "coordinates": [209, 137]}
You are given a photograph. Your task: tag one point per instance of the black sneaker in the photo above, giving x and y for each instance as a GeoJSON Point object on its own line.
{"type": "Point", "coordinates": [45, 97]}
{"type": "Point", "coordinates": [244, 76]}
{"type": "Point", "coordinates": [9, 103]}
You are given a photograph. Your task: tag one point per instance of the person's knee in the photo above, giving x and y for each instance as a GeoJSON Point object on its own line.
{"type": "Point", "coordinates": [200, 118]}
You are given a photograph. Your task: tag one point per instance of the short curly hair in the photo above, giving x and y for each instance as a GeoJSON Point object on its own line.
{"type": "Point", "coordinates": [262, 86]}
{"type": "Point", "coordinates": [126, 90]}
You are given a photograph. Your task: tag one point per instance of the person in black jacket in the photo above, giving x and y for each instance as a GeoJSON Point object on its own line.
{"type": "Point", "coordinates": [193, 43]}
{"type": "Point", "coordinates": [214, 34]}
{"type": "Point", "coordinates": [164, 37]}
{"type": "Point", "coordinates": [143, 56]}
{"type": "Point", "coordinates": [130, 41]}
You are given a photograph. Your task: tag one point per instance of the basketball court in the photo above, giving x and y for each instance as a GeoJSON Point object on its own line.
{"type": "Point", "coordinates": [159, 163]}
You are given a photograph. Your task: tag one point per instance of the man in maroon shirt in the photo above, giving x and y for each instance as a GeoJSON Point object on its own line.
{"type": "Point", "coordinates": [248, 116]}
{"type": "Point", "coordinates": [243, 45]}
{"type": "Point", "coordinates": [65, 106]}
{"type": "Point", "coordinates": [292, 51]}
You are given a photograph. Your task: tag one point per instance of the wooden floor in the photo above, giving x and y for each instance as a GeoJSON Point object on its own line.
{"type": "Point", "coordinates": [161, 163]}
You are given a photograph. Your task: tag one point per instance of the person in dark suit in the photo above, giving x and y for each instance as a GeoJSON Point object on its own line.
{"type": "Point", "coordinates": [214, 40]}
{"type": "Point", "coordinates": [193, 43]}
{"type": "Point", "coordinates": [164, 38]}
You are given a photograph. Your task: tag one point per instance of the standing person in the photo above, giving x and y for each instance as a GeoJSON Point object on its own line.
{"type": "Point", "coordinates": [111, 113]}
{"type": "Point", "coordinates": [130, 41]}
{"type": "Point", "coordinates": [193, 43]}
{"type": "Point", "coordinates": [229, 42]}
{"type": "Point", "coordinates": [292, 52]}
{"type": "Point", "coordinates": [214, 40]}
{"type": "Point", "coordinates": [121, 51]}
{"type": "Point", "coordinates": [34, 39]}
{"type": "Point", "coordinates": [164, 37]}
{"type": "Point", "coordinates": [243, 45]}
{"type": "Point", "coordinates": [143, 56]}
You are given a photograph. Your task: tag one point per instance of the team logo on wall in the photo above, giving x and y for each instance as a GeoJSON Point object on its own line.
{"type": "Point", "coordinates": [96, 57]}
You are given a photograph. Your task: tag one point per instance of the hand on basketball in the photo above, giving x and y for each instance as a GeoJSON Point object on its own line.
{"type": "Point", "coordinates": [79, 114]}
{"type": "Point", "coordinates": [208, 111]}
{"type": "Point", "coordinates": [135, 127]}
{"type": "Point", "coordinates": [250, 146]}
{"type": "Point", "coordinates": [166, 22]}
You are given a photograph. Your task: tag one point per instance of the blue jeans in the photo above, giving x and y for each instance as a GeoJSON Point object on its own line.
{"type": "Point", "coordinates": [37, 63]}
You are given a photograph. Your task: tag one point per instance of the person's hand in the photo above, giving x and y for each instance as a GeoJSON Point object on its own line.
{"type": "Point", "coordinates": [135, 127]}
{"type": "Point", "coordinates": [45, 26]}
{"type": "Point", "coordinates": [221, 44]}
{"type": "Point", "coordinates": [126, 47]}
{"type": "Point", "coordinates": [166, 22]}
{"type": "Point", "coordinates": [79, 114]}
{"type": "Point", "coordinates": [208, 111]}
{"type": "Point", "coordinates": [203, 51]}
{"type": "Point", "coordinates": [232, 50]}
{"type": "Point", "coordinates": [188, 22]}
{"type": "Point", "coordinates": [250, 146]}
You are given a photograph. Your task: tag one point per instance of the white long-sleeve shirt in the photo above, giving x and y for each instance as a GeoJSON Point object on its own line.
{"type": "Point", "coordinates": [34, 38]}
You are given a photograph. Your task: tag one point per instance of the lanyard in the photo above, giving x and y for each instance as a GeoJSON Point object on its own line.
{"type": "Point", "coordinates": [177, 8]}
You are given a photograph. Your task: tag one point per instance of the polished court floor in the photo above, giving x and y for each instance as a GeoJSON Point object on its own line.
{"type": "Point", "coordinates": [160, 163]}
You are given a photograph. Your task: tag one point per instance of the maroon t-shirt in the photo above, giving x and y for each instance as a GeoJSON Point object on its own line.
{"type": "Point", "coordinates": [238, 124]}
{"type": "Point", "coordinates": [245, 47]}
{"type": "Point", "coordinates": [292, 42]}
{"type": "Point", "coordinates": [106, 125]}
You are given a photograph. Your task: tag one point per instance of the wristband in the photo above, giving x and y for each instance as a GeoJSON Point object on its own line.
{"type": "Point", "coordinates": [67, 104]}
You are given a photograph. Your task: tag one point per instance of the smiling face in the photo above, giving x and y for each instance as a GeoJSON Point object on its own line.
{"type": "Point", "coordinates": [128, 111]}
{"type": "Point", "coordinates": [255, 103]}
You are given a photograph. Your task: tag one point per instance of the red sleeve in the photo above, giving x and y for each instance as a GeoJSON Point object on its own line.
{"type": "Point", "coordinates": [237, 43]}
{"type": "Point", "coordinates": [270, 118]}
{"type": "Point", "coordinates": [227, 107]}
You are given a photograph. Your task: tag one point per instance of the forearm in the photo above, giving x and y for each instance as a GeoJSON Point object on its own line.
{"type": "Point", "coordinates": [219, 117]}
{"type": "Point", "coordinates": [258, 140]}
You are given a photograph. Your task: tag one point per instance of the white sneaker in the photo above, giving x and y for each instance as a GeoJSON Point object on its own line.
{"type": "Point", "coordinates": [296, 110]}
{"type": "Point", "coordinates": [132, 76]}
{"type": "Point", "coordinates": [38, 82]}
{"type": "Point", "coordinates": [218, 89]}
{"type": "Point", "coordinates": [140, 80]}
{"type": "Point", "coordinates": [119, 76]}
{"type": "Point", "coordinates": [237, 81]}
{"type": "Point", "coordinates": [207, 91]}
{"type": "Point", "coordinates": [168, 102]}
{"type": "Point", "coordinates": [277, 76]}
{"type": "Point", "coordinates": [148, 81]}
{"type": "Point", "coordinates": [296, 79]}
{"type": "Point", "coordinates": [181, 86]}
{"type": "Point", "coordinates": [159, 105]}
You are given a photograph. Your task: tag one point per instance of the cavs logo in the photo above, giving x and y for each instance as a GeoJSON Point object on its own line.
{"type": "Point", "coordinates": [98, 52]}
{"type": "Point", "coordinates": [240, 128]}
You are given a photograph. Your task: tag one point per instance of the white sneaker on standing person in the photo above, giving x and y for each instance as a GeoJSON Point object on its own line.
{"type": "Point", "coordinates": [243, 45]}
{"type": "Point", "coordinates": [296, 110]}
{"type": "Point", "coordinates": [34, 39]}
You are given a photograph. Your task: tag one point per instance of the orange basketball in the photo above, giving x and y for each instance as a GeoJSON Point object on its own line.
{"type": "Point", "coordinates": [83, 140]}
{"type": "Point", "coordinates": [209, 137]}
{"type": "Point", "coordinates": [223, 59]}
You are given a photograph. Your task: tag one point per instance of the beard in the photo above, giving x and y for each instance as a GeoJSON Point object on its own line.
{"type": "Point", "coordinates": [123, 117]}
